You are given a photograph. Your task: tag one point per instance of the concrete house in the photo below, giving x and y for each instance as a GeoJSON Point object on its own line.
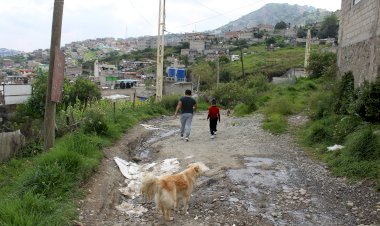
{"type": "Point", "coordinates": [359, 39]}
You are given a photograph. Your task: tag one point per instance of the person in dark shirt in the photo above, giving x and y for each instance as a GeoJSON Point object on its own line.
{"type": "Point", "coordinates": [214, 116]}
{"type": "Point", "coordinates": [187, 104]}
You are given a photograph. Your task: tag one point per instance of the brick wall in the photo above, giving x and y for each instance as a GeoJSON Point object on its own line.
{"type": "Point", "coordinates": [359, 39]}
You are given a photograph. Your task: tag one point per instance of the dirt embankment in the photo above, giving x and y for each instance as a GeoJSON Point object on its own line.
{"type": "Point", "coordinates": [255, 178]}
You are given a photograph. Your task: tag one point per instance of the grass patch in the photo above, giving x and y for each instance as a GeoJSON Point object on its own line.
{"type": "Point", "coordinates": [242, 109]}
{"type": "Point", "coordinates": [275, 123]}
{"type": "Point", "coordinates": [44, 189]}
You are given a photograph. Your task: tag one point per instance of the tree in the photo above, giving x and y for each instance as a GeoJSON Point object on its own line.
{"type": "Point", "coordinates": [329, 27]}
{"type": "Point", "coordinates": [205, 72]}
{"type": "Point", "coordinates": [84, 90]}
{"type": "Point", "coordinates": [259, 34]}
{"type": "Point", "coordinates": [301, 32]}
{"type": "Point", "coordinates": [34, 107]}
{"type": "Point", "coordinates": [281, 25]}
{"type": "Point", "coordinates": [320, 62]}
{"type": "Point", "coordinates": [271, 40]}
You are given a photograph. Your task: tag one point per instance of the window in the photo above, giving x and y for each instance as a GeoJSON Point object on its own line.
{"type": "Point", "coordinates": [356, 1]}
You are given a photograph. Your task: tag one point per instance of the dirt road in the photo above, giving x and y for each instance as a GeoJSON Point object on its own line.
{"type": "Point", "coordinates": [255, 178]}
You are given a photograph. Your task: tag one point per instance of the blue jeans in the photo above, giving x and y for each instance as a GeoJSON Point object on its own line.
{"type": "Point", "coordinates": [186, 119]}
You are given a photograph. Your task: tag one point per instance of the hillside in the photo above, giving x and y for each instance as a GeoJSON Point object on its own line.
{"type": "Point", "coordinates": [273, 13]}
{"type": "Point", "coordinates": [8, 52]}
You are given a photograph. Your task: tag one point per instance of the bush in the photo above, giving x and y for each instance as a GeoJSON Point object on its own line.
{"type": "Point", "coordinates": [281, 105]}
{"type": "Point", "coordinates": [259, 83]}
{"type": "Point", "coordinates": [322, 131]}
{"type": "Point", "coordinates": [364, 144]}
{"type": "Point", "coordinates": [242, 109]}
{"type": "Point", "coordinates": [320, 105]}
{"type": "Point", "coordinates": [321, 63]}
{"type": "Point", "coordinates": [230, 94]}
{"type": "Point", "coordinates": [170, 102]}
{"type": "Point", "coordinates": [345, 95]}
{"type": "Point", "coordinates": [95, 122]}
{"type": "Point", "coordinates": [345, 126]}
{"type": "Point", "coordinates": [368, 101]}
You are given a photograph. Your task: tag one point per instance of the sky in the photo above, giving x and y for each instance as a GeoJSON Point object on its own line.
{"type": "Point", "coordinates": [26, 24]}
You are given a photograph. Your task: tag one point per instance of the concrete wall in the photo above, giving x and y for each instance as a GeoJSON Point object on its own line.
{"type": "Point", "coordinates": [15, 94]}
{"type": "Point", "coordinates": [198, 45]}
{"type": "Point", "coordinates": [10, 144]}
{"type": "Point", "coordinates": [359, 39]}
{"type": "Point", "coordinates": [176, 87]}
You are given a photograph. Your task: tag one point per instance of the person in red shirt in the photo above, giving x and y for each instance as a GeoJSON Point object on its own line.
{"type": "Point", "coordinates": [214, 116]}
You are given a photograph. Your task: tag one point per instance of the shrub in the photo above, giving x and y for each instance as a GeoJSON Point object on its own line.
{"type": "Point", "coordinates": [368, 101]}
{"type": "Point", "coordinates": [242, 109]}
{"type": "Point", "coordinates": [281, 105]}
{"type": "Point", "coordinates": [320, 105]}
{"type": "Point", "coordinates": [345, 126]}
{"type": "Point", "coordinates": [230, 94]}
{"type": "Point", "coordinates": [94, 122]}
{"type": "Point", "coordinates": [170, 102]}
{"type": "Point", "coordinates": [364, 144]}
{"type": "Point", "coordinates": [321, 63]}
{"type": "Point", "coordinates": [345, 94]}
{"type": "Point", "coordinates": [321, 131]}
{"type": "Point", "coordinates": [259, 83]}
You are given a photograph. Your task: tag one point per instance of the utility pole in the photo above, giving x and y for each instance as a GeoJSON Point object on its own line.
{"type": "Point", "coordinates": [242, 62]}
{"type": "Point", "coordinates": [50, 106]}
{"type": "Point", "coordinates": [218, 70]}
{"type": "Point", "coordinates": [307, 49]}
{"type": "Point", "coordinates": [160, 50]}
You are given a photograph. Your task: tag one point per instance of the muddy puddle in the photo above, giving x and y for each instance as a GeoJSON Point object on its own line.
{"type": "Point", "coordinates": [260, 175]}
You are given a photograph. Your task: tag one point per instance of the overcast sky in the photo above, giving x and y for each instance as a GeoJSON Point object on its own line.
{"type": "Point", "coordinates": [26, 24]}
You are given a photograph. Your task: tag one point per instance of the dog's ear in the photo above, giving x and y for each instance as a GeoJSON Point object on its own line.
{"type": "Point", "coordinates": [197, 169]}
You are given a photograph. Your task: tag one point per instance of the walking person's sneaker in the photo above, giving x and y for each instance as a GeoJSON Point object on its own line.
{"type": "Point", "coordinates": [181, 136]}
{"type": "Point", "coordinates": [212, 136]}
{"type": "Point", "coordinates": [186, 139]}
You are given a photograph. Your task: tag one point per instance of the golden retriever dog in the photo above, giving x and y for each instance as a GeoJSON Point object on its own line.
{"type": "Point", "coordinates": [167, 190]}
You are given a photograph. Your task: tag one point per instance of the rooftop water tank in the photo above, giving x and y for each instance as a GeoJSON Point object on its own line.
{"type": "Point", "coordinates": [181, 74]}
{"type": "Point", "coordinates": [172, 71]}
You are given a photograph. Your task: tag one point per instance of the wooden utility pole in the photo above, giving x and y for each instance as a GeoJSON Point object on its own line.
{"type": "Point", "coordinates": [160, 50]}
{"type": "Point", "coordinates": [218, 70]}
{"type": "Point", "coordinates": [242, 62]}
{"type": "Point", "coordinates": [50, 106]}
{"type": "Point", "coordinates": [307, 49]}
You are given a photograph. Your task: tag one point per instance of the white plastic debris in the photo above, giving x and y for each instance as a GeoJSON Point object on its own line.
{"type": "Point", "coordinates": [131, 209]}
{"type": "Point", "coordinates": [335, 147]}
{"type": "Point", "coordinates": [133, 173]}
{"type": "Point", "coordinates": [149, 127]}
{"type": "Point", "coordinates": [116, 97]}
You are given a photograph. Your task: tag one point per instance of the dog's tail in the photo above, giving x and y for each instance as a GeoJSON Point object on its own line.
{"type": "Point", "coordinates": [149, 186]}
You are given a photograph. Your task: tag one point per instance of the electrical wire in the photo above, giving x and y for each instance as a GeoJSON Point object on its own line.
{"type": "Point", "coordinates": [211, 17]}
{"type": "Point", "coordinates": [146, 20]}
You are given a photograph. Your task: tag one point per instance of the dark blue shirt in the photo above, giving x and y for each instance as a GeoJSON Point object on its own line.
{"type": "Point", "coordinates": [187, 104]}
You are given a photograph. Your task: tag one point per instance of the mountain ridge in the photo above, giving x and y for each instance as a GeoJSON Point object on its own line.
{"type": "Point", "coordinates": [273, 13]}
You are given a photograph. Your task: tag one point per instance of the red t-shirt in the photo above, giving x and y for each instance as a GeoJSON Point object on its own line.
{"type": "Point", "coordinates": [213, 112]}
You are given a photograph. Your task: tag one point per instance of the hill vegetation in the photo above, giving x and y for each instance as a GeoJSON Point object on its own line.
{"type": "Point", "coordinates": [273, 13]}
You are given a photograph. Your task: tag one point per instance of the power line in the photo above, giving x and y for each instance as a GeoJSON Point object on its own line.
{"type": "Point", "coordinates": [211, 9]}
{"type": "Point", "coordinates": [220, 14]}
{"type": "Point", "coordinates": [142, 16]}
